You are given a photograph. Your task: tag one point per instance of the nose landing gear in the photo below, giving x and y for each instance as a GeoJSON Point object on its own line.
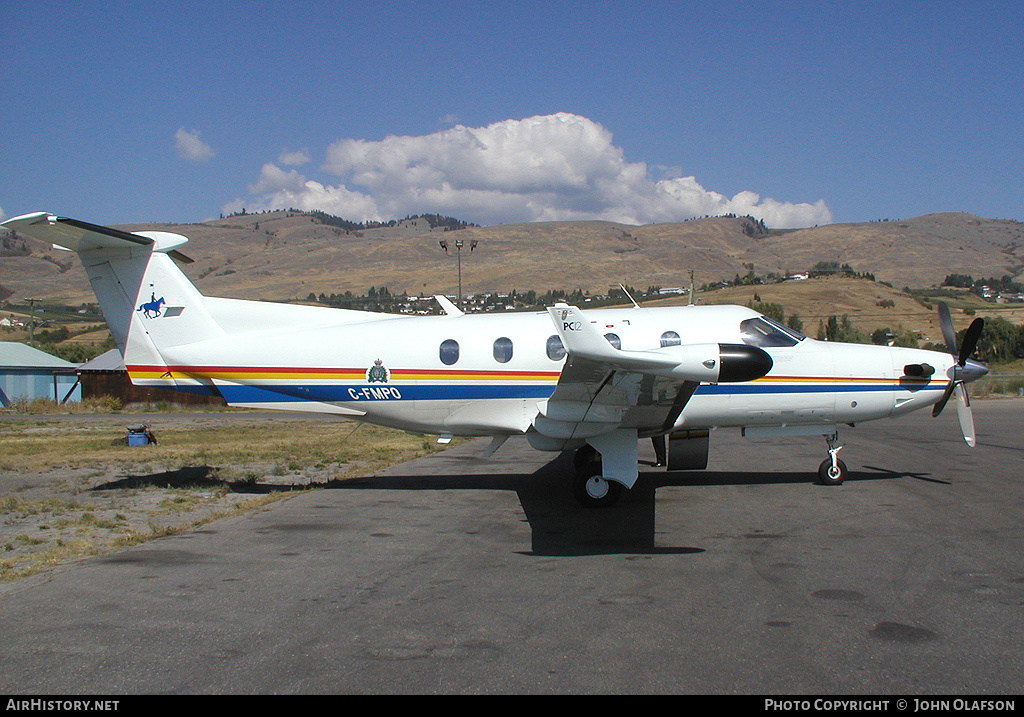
{"type": "Point", "coordinates": [832, 471]}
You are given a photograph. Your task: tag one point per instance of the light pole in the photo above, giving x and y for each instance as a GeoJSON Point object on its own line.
{"type": "Point", "coordinates": [31, 321]}
{"type": "Point", "coordinates": [458, 252]}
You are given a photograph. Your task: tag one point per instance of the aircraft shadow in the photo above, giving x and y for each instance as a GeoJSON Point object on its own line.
{"type": "Point", "coordinates": [699, 478]}
{"type": "Point", "coordinates": [194, 477]}
{"type": "Point", "coordinates": [559, 525]}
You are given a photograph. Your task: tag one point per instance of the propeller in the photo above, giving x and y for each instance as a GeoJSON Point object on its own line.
{"type": "Point", "coordinates": [964, 369]}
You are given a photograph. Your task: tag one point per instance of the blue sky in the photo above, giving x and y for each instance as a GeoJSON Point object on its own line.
{"type": "Point", "coordinates": [800, 113]}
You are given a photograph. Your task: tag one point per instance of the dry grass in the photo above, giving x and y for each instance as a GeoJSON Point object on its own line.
{"type": "Point", "coordinates": [70, 487]}
{"type": "Point", "coordinates": [870, 305]}
{"type": "Point", "coordinates": [44, 444]}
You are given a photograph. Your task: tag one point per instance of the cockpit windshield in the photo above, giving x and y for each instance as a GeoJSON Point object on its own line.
{"type": "Point", "coordinates": [764, 332]}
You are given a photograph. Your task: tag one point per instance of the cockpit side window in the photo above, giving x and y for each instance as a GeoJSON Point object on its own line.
{"type": "Point", "coordinates": [763, 332]}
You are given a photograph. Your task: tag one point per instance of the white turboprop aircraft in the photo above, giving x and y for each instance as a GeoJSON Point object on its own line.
{"type": "Point", "coordinates": [594, 382]}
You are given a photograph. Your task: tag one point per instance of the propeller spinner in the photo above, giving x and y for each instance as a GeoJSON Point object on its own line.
{"type": "Point", "coordinates": [964, 369]}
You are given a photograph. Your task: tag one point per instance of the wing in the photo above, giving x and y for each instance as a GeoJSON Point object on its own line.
{"type": "Point", "coordinates": [602, 389]}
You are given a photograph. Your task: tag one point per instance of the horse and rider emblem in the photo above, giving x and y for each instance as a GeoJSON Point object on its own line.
{"type": "Point", "coordinates": [151, 309]}
{"type": "Point", "coordinates": [377, 373]}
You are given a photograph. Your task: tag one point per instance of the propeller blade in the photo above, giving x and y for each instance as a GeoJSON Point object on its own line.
{"type": "Point", "coordinates": [956, 384]}
{"type": "Point", "coordinates": [970, 340]}
{"type": "Point", "coordinates": [942, 401]}
{"type": "Point", "coordinates": [946, 324]}
{"type": "Point", "coordinates": [965, 415]}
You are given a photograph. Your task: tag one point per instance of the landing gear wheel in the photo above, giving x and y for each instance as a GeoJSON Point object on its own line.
{"type": "Point", "coordinates": [832, 475]}
{"type": "Point", "coordinates": [588, 486]}
{"type": "Point", "coordinates": [596, 492]}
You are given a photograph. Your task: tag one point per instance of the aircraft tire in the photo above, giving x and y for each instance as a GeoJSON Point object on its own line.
{"type": "Point", "coordinates": [595, 491]}
{"type": "Point", "coordinates": [828, 476]}
{"type": "Point", "coordinates": [590, 489]}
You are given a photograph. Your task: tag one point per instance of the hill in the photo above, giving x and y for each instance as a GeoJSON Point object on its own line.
{"type": "Point", "coordinates": [289, 255]}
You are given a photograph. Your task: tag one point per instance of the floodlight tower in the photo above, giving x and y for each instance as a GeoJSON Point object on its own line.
{"type": "Point", "coordinates": [459, 243]}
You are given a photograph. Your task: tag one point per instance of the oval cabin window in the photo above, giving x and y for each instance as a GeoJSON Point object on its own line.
{"type": "Point", "coordinates": [555, 349]}
{"type": "Point", "coordinates": [503, 350]}
{"type": "Point", "coordinates": [449, 351]}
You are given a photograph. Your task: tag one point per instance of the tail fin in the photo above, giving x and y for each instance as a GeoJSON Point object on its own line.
{"type": "Point", "coordinates": [149, 304]}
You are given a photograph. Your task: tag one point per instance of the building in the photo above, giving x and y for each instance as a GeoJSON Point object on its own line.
{"type": "Point", "coordinates": [106, 375]}
{"type": "Point", "coordinates": [27, 373]}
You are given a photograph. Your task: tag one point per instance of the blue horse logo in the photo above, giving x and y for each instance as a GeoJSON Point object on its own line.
{"type": "Point", "coordinates": [151, 309]}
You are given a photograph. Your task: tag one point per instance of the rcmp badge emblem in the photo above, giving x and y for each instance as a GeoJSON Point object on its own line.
{"type": "Point", "coordinates": [377, 373]}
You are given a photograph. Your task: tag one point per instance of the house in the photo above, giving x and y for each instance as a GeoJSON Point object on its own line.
{"type": "Point", "coordinates": [28, 373]}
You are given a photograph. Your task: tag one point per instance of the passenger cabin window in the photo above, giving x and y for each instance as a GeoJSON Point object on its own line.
{"type": "Point", "coordinates": [503, 350]}
{"type": "Point", "coordinates": [763, 332]}
{"type": "Point", "coordinates": [614, 340]}
{"type": "Point", "coordinates": [449, 351]}
{"type": "Point", "coordinates": [670, 338]}
{"type": "Point", "coordinates": [555, 349]}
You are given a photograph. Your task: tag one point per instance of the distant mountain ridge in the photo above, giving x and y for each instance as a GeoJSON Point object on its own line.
{"type": "Point", "coordinates": [285, 255]}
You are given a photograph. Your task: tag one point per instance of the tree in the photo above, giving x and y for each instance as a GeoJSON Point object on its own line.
{"type": "Point", "coordinates": [841, 330]}
{"type": "Point", "coordinates": [769, 309]}
{"type": "Point", "coordinates": [1000, 341]}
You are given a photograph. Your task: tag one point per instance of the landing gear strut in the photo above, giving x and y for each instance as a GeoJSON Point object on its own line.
{"type": "Point", "coordinates": [588, 486]}
{"type": "Point", "coordinates": [832, 471]}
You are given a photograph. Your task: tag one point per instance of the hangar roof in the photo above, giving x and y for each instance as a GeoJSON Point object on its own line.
{"type": "Point", "coordinates": [15, 355]}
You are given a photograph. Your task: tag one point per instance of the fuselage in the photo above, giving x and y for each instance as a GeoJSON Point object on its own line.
{"type": "Point", "coordinates": [485, 374]}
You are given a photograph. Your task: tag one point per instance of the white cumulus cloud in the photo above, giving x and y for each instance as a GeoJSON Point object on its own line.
{"type": "Point", "coordinates": [190, 147]}
{"type": "Point", "coordinates": [545, 168]}
{"type": "Point", "coordinates": [295, 159]}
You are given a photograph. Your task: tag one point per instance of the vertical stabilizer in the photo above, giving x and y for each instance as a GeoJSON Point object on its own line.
{"type": "Point", "coordinates": [149, 304]}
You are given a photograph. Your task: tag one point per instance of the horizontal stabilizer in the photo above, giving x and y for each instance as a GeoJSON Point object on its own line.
{"type": "Point", "coordinates": [79, 236]}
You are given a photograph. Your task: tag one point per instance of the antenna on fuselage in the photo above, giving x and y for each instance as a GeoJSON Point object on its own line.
{"type": "Point", "coordinates": [635, 305]}
{"type": "Point", "coordinates": [449, 308]}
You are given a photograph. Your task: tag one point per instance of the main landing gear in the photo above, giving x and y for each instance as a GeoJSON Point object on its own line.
{"type": "Point", "coordinates": [832, 471]}
{"type": "Point", "coordinates": [588, 486]}
{"type": "Point", "coordinates": [593, 490]}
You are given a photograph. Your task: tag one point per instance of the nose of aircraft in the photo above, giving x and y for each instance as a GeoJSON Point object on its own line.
{"type": "Point", "coordinates": [972, 370]}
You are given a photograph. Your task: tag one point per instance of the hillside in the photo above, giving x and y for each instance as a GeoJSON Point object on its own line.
{"type": "Point", "coordinates": [869, 305]}
{"type": "Point", "coordinates": [287, 255]}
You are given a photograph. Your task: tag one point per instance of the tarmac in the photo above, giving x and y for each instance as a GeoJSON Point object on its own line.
{"type": "Point", "coordinates": [453, 574]}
